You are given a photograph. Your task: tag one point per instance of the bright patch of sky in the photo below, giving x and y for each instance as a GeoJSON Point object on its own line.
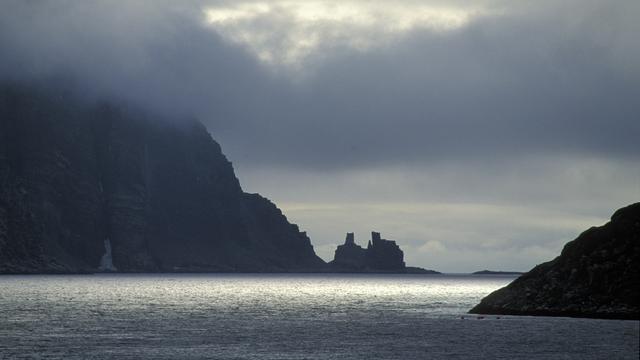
{"type": "Point", "coordinates": [286, 33]}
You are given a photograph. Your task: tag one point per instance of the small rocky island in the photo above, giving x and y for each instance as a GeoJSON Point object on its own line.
{"type": "Point", "coordinates": [494, 272]}
{"type": "Point", "coordinates": [381, 255]}
{"type": "Point", "coordinates": [597, 275]}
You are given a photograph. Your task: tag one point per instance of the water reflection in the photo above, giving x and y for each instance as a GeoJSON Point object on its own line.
{"type": "Point", "coordinates": [280, 317]}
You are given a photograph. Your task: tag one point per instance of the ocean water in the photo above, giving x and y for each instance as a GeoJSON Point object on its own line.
{"type": "Point", "coordinates": [272, 316]}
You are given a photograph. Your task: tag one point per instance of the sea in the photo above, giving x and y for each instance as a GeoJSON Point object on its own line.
{"type": "Point", "coordinates": [285, 316]}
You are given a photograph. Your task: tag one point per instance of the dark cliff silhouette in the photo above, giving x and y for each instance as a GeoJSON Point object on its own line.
{"type": "Point", "coordinates": [90, 187]}
{"type": "Point", "coordinates": [597, 275]}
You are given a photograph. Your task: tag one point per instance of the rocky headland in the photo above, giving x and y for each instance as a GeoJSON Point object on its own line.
{"type": "Point", "coordinates": [88, 187]}
{"type": "Point", "coordinates": [597, 275]}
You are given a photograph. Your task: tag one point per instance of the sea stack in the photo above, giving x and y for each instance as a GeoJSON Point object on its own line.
{"type": "Point", "coordinates": [350, 255]}
{"type": "Point", "coordinates": [597, 275]}
{"type": "Point", "coordinates": [380, 255]}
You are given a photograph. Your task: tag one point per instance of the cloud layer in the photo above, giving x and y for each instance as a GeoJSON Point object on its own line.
{"type": "Point", "coordinates": [356, 110]}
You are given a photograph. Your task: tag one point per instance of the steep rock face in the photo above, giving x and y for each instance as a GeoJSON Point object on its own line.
{"type": "Point", "coordinates": [76, 179]}
{"type": "Point", "coordinates": [292, 250]}
{"type": "Point", "coordinates": [380, 255]}
{"type": "Point", "coordinates": [596, 275]}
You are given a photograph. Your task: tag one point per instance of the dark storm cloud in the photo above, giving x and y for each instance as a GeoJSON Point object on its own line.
{"type": "Point", "coordinates": [537, 78]}
{"type": "Point", "coordinates": [503, 87]}
{"type": "Point", "coordinates": [152, 53]}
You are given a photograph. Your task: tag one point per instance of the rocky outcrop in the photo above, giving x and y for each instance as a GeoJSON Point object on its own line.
{"type": "Point", "coordinates": [596, 275]}
{"type": "Point", "coordinates": [380, 255]}
{"type": "Point", "coordinates": [85, 187]}
{"type": "Point", "coordinates": [384, 254]}
{"type": "Point", "coordinates": [350, 255]}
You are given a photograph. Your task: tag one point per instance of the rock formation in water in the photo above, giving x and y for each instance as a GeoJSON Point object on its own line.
{"type": "Point", "coordinates": [350, 255]}
{"type": "Point", "coordinates": [381, 255]}
{"type": "Point", "coordinates": [88, 187]}
{"type": "Point", "coordinates": [597, 275]}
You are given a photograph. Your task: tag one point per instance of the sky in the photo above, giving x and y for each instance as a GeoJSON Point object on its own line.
{"type": "Point", "coordinates": [477, 134]}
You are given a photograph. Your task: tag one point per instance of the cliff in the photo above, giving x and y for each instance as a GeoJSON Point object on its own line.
{"type": "Point", "coordinates": [597, 275]}
{"type": "Point", "coordinates": [88, 187]}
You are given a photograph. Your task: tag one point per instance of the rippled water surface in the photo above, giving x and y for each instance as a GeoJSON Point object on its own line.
{"type": "Point", "coordinates": [329, 316]}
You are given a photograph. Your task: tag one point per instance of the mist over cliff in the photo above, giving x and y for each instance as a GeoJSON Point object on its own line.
{"type": "Point", "coordinates": [88, 186]}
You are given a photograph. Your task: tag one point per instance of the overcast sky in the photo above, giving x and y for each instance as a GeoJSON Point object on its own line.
{"type": "Point", "coordinates": [478, 134]}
